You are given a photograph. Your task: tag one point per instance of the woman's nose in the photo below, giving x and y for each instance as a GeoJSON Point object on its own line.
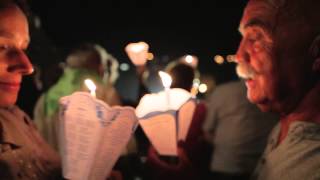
{"type": "Point", "coordinates": [21, 63]}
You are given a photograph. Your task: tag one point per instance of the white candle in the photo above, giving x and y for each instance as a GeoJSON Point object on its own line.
{"type": "Point", "coordinates": [166, 82]}
{"type": "Point", "coordinates": [91, 86]}
{"type": "Point", "coordinates": [195, 87]}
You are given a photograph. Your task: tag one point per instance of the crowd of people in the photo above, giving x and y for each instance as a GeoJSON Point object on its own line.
{"type": "Point", "coordinates": [264, 126]}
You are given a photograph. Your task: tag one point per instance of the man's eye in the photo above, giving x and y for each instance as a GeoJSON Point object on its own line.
{"type": "Point", "coordinates": [254, 37]}
{"type": "Point", "coordinates": [4, 47]}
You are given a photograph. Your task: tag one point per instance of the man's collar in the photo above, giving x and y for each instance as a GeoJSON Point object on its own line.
{"type": "Point", "coordinates": [309, 108]}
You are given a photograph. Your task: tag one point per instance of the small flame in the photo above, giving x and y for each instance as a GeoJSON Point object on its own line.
{"type": "Point", "coordinates": [189, 59]}
{"type": "Point", "coordinates": [91, 86]}
{"type": "Point", "coordinates": [195, 87]}
{"type": "Point", "coordinates": [166, 79]}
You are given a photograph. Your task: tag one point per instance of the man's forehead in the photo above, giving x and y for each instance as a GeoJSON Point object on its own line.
{"type": "Point", "coordinates": [258, 13]}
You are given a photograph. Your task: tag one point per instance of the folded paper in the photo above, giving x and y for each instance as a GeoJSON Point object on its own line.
{"type": "Point", "coordinates": [164, 125]}
{"type": "Point", "coordinates": [92, 135]}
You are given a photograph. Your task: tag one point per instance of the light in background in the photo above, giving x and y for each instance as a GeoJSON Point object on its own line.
{"type": "Point", "coordinates": [218, 59]}
{"type": "Point", "coordinates": [124, 67]}
{"type": "Point", "coordinates": [190, 60]}
{"type": "Point", "coordinates": [195, 87]}
{"type": "Point", "coordinates": [138, 52]}
{"type": "Point", "coordinates": [230, 58]}
{"type": "Point", "coordinates": [203, 88]}
{"type": "Point", "coordinates": [150, 56]}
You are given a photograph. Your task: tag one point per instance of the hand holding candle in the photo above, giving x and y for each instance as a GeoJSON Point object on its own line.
{"type": "Point", "coordinates": [92, 135]}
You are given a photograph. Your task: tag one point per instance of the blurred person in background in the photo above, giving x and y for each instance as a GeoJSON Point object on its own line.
{"type": "Point", "coordinates": [237, 130]}
{"type": "Point", "coordinates": [85, 61]}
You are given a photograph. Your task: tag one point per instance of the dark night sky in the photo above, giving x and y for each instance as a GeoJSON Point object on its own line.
{"type": "Point", "coordinates": [171, 28]}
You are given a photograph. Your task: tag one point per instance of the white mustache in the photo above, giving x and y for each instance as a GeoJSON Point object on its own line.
{"type": "Point", "coordinates": [245, 71]}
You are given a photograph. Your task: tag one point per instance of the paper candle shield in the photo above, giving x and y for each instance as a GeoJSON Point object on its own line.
{"type": "Point", "coordinates": [158, 102]}
{"type": "Point", "coordinates": [185, 116]}
{"type": "Point", "coordinates": [161, 131]}
{"type": "Point", "coordinates": [92, 135]}
{"type": "Point", "coordinates": [137, 52]}
{"type": "Point", "coordinates": [160, 123]}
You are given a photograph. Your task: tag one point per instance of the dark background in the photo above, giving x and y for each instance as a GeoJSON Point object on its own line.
{"type": "Point", "coordinates": [171, 28]}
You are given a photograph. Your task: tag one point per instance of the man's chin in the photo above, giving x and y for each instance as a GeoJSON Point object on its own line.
{"type": "Point", "coordinates": [263, 104]}
{"type": "Point", "coordinates": [264, 107]}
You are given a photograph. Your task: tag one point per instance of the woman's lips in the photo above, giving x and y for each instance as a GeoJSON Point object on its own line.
{"type": "Point", "coordinates": [10, 86]}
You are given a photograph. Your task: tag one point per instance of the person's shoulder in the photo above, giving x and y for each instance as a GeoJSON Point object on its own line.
{"type": "Point", "coordinates": [231, 85]}
{"type": "Point", "coordinates": [305, 131]}
{"type": "Point", "coordinates": [230, 89]}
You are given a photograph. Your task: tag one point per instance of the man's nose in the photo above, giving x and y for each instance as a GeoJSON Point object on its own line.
{"type": "Point", "coordinates": [21, 63]}
{"type": "Point", "coordinates": [242, 55]}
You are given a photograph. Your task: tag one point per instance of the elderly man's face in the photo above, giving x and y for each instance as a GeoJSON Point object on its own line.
{"type": "Point", "coordinates": [14, 39]}
{"type": "Point", "coordinates": [272, 58]}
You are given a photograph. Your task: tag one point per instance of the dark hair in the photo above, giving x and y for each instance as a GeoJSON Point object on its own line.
{"type": "Point", "coordinates": [22, 4]}
{"type": "Point", "coordinates": [182, 76]}
{"type": "Point", "coordinates": [84, 56]}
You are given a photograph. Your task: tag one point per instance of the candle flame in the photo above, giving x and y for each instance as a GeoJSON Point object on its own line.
{"type": "Point", "coordinates": [91, 86]}
{"type": "Point", "coordinates": [195, 87]}
{"type": "Point", "coordinates": [166, 79]}
{"type": "Point", "coordinates": [189, 59]}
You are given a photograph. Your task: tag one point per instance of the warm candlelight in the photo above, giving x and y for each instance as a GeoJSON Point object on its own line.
{"type": "Point", "coordinates": [190, 60]}
{"type": "Point", "coordinates": [91, 86]}
{"type": "Point", "coordinates": [166, 82]}
{"type": "Point", "coordinates": [138, 52]}
{"type": "Point", "coordinates": [195, 87]}
{"type": "Point", "coordinates": [166, 79]}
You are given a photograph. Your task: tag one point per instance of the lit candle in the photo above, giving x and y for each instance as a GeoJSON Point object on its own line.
{"type": "Point", "coordinates": [138, 53]}
{"type": "Point", "coordinates": [190, 60]}
{"type": "Point", "coordinates": [195, 87]}
{"type": "Point", "coordinates": [166, 81]}
{"type": "Point", "coordinates": [91, 86]}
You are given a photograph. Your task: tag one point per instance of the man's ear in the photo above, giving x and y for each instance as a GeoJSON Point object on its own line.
{"type": "Point", "coordinates": [315, 54]}
{"type": "Point", "coordinates": [316, 65]}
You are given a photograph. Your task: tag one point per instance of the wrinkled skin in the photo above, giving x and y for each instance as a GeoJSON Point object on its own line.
{"type": "Point", "coordinates": [277, 54]}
